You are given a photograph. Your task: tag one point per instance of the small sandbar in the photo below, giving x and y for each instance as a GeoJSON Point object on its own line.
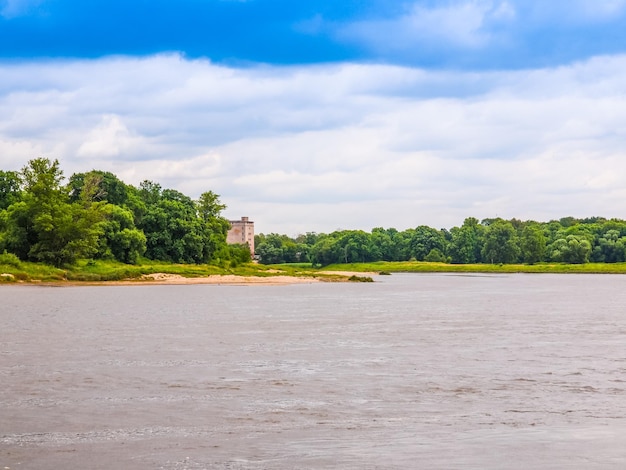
{"type": "Point", "coordinates": [177, 279]}
{"type": "Point", "coordinates": [163, 278]}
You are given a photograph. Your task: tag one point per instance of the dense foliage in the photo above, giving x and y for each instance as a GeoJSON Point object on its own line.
{"type": "Point", "coordinates": [97, 216]}
{"type": "Point", "coordinates": [493, 241]}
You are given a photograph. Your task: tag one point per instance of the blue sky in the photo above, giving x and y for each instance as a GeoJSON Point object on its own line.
{"type": "Point", "coordinates": [320, 115]}
{"type": "Point", "coordinates": [478, 34]}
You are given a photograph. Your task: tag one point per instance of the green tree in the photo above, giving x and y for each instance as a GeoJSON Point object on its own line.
{"type": "Point", "coordinates": [326, 251]}
{"type": "Point", "coordinates": [533, 244]}
{"type": "Point", "coordinates": [120, 239]}
{"type": "Point", "coordinates": [173, 231]}
{"type": "Point", "coordinates": [423, 240]}
{"type": "Point", "coordinates": [17, 233]}
{"type": "Point", "coordinates": [270, 249]}
{"type": "Point", "coordinates": [466, 244]}
{"type": "Point", "coordinates": [391, 245]}
{"type": "Point", "coordinates": [572, 249]}
{"type": "Point", "coordinates": [44, 226]}
{"type": "Point", "coordinates": [355, 246]}
{"type": "Point", "coordinates": [100, 186]}
{"type": "Point", "coordinates": [501, 244]}
{"type": "Point", "coordinates": [238, 253]}
{"type": "Point", "coordinates": [611, 247]}
{"type": "Point", "coordinates": [435, 256]}
{"type": "Point", "coordinates": [9, 188]}
{"type": "Point", "coordinates": [213, 227]}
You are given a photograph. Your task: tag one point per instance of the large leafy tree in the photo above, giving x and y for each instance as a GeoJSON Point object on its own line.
{"type": "Point", "coordinates": [9, 188]}
{"type": "Point", "coordinates": [213, 227]}
{"type": "Point", "coordinates": [172, 230]}
{"type": "Point", "coordinates": [100, 186]}
{"type": "Point", "coordinates": [355, 246]}
{"type": "Point", "coordinates": [270, 249]}
{"type": "Point", "coordinates": [574, 249]}
{"type": "Point", "coordinates": [466, 244]}
{"type": "Point", "coordinates": [387, 247]}
{"type": "Point", "coordinates": [44, 225]}
{"type": "Point", "coordinates": [533, 243]}
{"type": "Point", "coordinates": [423, 240]}
{"type": "Point", "coordinates": [501, 243]}
{"type": "Point", "coordinates": [120, 239]}
{"type": "Point", "coordinates": [610, 247]}
{"type": "Point", "coordinates": [274, 248]}
{"type": "Point", "coordinates": [325, 251]}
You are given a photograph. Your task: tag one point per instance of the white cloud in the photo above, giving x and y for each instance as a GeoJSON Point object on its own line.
{"type": "Point", "coordinates": [578, 11]}
{"type": "Point", "coordinates": [324, 147]}
{"type": "Point", "coordinates": [110, 138]}
{"type": "Point", "coordinates": [484, 32]}
{"type": "Point", "coordinates": [464, 25]}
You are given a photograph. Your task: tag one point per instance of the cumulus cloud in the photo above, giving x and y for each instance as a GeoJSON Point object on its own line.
{"type": "Point", "coordinates": [464, 25]}
{"type": "Point", "coordinates": [110, 138]}
{"type": "Point", "coordinates": [487, 33]}
{"type": "Point", "coordinates": [335, 146]}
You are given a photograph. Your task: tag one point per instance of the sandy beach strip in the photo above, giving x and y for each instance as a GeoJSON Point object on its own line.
{"type": "Point", "coordinates": [176, 279]}
{"type": "Point", "coordinates": [215, 279]}
{"type": "Point", "coordinates": [229, 279]}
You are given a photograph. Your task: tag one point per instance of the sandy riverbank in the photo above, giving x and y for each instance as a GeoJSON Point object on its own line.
{"type": "Point", "coordinates": [176, 279]}
{"type": "Point", "coordinates": [226, 279]}
{"type": "Point", "coordinates": [230, 279]}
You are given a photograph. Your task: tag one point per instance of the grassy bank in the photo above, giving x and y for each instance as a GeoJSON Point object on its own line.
{"type": "Point", "coordinates": [417, 267]}
{"type": "Point", "coordinates": [13, 270]}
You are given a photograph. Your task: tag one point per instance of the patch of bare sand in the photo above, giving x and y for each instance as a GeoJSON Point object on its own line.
{"type": "Point", "coordinates": [227, 279]}
{"type": "Point", "coordinates": [217, 279]}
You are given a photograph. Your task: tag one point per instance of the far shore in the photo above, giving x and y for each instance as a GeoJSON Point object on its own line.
{"type": "Point", "coordinates": [89, 272]}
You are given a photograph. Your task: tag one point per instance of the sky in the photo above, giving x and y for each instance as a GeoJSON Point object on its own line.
{"type": "Point", "coordinates": [326, 115]}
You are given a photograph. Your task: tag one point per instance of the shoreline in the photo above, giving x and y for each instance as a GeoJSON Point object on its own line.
{"type": "Point", "coordinates": [162, 279]}
{"type": "Point", "coordinates": [157, 279]}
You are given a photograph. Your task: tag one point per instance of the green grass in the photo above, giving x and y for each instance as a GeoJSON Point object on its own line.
{"type": "Point", "coordinates": [418, 266]}
{"type": "Point", "coordinates": [100, 270]}
{"type": "Point", "coordinates": [13, 270]}
{"type": "Point", "coordinates": [25, 271]}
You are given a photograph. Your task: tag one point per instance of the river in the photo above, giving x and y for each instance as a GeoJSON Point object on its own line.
{"type": "Point", "coordinates": [433, 371]}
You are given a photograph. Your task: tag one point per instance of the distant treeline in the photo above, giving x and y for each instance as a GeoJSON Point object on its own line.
{"type": "Point", "coordinates": [567, 240]}
{"type": "Point", "coordinates": [97, 216]}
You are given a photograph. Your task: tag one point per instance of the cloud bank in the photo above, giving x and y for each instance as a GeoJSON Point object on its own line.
{"type": "Point", "coordinates": [322, 147]}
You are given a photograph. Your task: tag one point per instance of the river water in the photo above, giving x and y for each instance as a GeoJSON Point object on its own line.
{"type": "Point", "coordinates": [433, 371]}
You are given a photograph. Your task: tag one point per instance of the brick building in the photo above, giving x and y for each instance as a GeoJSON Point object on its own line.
{"type": "Point", "coordinates": [241, 231]}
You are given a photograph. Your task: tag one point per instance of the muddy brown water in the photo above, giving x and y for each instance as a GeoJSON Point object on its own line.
{"type": "Point", "coordinates": [432, 371]}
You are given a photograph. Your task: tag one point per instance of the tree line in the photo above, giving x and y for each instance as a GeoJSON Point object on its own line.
{"type": "Point", "coordinates": [95, 215]}
{"type": "Point", "coordinates": [494, 241]}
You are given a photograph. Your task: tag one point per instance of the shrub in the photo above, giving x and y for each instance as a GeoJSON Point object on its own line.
{"type": "Point", "coordinates": [9, 259]}
{"type": "Point", "coordinates": [435, 256]}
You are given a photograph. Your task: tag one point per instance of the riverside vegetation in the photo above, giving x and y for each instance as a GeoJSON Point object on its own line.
{"type": "Point", "coordinates": [95, 227]}
{"type": "Point", "coordinates": [593, 244]}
